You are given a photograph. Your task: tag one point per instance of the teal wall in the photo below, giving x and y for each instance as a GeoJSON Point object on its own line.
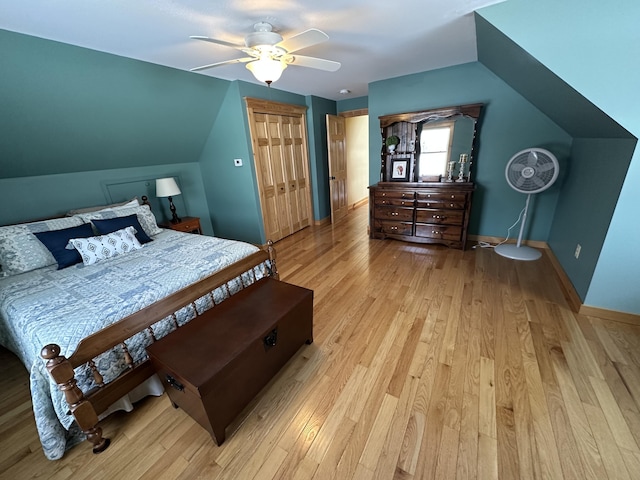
{"type": "Point", "coordinates": [509, 123]}
{"type": "Point", "coordinates": [41, 196]}
{"type": "Point", "coordinates": [69, 109]}
{"type": "Point", "coordinates": [590, 46]}
{"type": "Point", "coordinates": [597, 165]}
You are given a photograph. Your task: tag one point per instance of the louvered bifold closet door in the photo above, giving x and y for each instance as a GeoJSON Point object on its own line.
{"type": "Point", "coordinates": [278, 133]}
{"type": "Point", "coordinates": [268, 158]}
{"type": "Point", "coordinates": [297, 181]}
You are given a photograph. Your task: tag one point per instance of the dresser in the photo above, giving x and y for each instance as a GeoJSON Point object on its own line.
{"type": "Point", "coordinates": [430, 212]}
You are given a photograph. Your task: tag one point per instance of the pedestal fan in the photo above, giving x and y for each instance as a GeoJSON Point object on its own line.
{"type": "Point", "coordinates": [529, 171]}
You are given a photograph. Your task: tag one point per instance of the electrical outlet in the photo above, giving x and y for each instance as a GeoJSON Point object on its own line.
{"type": "Point", "coordinates": [577, 252]}
{"type": "Point", "coordinates": [237, 162]}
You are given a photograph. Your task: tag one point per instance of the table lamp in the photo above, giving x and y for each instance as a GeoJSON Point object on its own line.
{"type": "Point", "coordinates": [167, 187]}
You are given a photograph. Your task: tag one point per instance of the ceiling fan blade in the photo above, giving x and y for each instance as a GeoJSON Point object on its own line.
{"type": "Point", "coordinates": [312, 62]}
{"type": "Point", "coordinates": [215, 40]}
{"type": "Point", "coordinates": [226, 62]}
{"type": "Point", "coordinates": [305, 39]}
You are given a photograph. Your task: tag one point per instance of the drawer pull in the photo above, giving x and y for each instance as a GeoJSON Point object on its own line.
{"type": "Point", "coordinates": [452, 204]}
{"type": "Point", "coordinates": [394, 214]}
{"type": "Point", "coordinates": [436, 232]}
{"type": "Point", "coordinates": [271, 339]}
{"type": "Point", "coordinates": [174, 383]}
{"type": "Point", "coordinates": [440, 217]}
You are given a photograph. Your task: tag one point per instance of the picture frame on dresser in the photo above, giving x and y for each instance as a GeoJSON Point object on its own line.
{"type": "Point", "coordinates": [400, 171]}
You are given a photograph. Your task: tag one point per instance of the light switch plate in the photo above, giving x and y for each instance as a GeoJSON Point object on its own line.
{"type": "Point", "coordinates": [237, 162]}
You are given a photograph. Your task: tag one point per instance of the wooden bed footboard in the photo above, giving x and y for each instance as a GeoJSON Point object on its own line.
{"type": "Point", "coordinates": [86, 406]}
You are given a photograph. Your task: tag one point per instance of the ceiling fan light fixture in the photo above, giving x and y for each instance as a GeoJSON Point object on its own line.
{"type": "Point", "coordinates": [266, 69]}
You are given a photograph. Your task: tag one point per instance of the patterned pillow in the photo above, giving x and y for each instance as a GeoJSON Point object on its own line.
{"type": "Point", "coordinates": [145, 216]}
{"type": "Point", "coordinates": [103, 247]}
{"type": "Point", "coordinates": [21, 251]}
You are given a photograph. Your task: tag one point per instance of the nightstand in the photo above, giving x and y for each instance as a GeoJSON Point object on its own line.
{"type": "Point", "coordinates": [187, 224]}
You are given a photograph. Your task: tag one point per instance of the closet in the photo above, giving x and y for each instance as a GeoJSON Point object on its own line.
{"type": "Point", "coordinates": [280, 152]}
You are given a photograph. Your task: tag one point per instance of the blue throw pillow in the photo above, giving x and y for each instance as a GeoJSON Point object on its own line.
{"type": "Point", "coordinates": [111, 225]}
{"type": "Point", "coordinates": [57, 240]}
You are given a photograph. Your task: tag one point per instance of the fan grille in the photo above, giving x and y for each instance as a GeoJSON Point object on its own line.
{"type": "Point", "coordinates": [532, 170]}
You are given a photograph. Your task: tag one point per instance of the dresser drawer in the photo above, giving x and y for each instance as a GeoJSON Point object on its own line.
{"type": "Point", "coordinates": [393, 228]}
{"type": "Point", "coordinates": [441, 200]}
{"type": "Point", "coordinates": [394, 194]}
{"type": "Point", "coordinates": [441, 232]}
{"type": "Point", "coordinates": [448, 217]}
{"type": "Point", "coordinates": [399, 202]}
{"type": "Point", "coordinates": [394, 213]}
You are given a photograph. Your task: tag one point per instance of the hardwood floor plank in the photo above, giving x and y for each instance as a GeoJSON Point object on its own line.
{"type": "Point", "coordinates": [592, 464]}
{"type": "Point", "coordinates": [487, 458]}
{"type": "Point", "coordinates": [613, 414]}
{"type": "Point", "coordinates": [487, 410]}
{"type": "Point", "coordinates": [610, 454]}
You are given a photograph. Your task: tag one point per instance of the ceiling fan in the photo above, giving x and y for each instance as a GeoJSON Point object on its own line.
{"type": "Point", "coordinates": [269, 54]}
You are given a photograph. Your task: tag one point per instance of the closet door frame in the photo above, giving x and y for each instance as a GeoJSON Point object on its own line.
{"type": "Point", "coordinates": [299, 186]}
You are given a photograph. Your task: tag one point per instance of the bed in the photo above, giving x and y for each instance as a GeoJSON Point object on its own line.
{"type": "Point", "coordinates": [81, 330]}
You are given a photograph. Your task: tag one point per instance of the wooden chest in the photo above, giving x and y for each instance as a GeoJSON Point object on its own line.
{"type": "Point", "coordinates": [213, 366]}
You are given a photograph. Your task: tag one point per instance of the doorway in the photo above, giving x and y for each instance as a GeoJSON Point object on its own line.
{"type": "Point", "coordinates": [348, 161]}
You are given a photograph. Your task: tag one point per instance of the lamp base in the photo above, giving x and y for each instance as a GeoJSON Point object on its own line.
{"type": "Point", "coordinates": [174, 215]}
{"type": "Point", "coordinates": [514, 252]}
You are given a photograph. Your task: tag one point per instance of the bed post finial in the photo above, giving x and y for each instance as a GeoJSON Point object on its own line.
{"type": "Point", "coordinates": [271, 250]}
{"type": "Point", "coordinates": [62, 373]}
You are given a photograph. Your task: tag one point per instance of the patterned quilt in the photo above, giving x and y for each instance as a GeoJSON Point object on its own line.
{"type": "Point", "coordinates": [63, 306]}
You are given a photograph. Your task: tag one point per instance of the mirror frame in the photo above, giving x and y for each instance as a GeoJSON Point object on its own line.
{"type": "Point", "coordinates": [437, 114]}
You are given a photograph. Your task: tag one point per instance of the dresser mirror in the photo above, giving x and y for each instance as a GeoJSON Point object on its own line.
{"type": "Point", "coordinates": [435, 145]}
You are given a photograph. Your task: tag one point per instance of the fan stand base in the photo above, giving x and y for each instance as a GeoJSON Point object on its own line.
{"type": "Point", "coordinates": [514, 252]}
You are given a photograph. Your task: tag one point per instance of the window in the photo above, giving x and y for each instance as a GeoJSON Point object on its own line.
{"type": "Point", "coordinates": [435, 149]}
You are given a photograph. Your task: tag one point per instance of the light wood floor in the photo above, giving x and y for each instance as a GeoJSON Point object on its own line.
{"type": "Point", "coordinates": [427, 363]}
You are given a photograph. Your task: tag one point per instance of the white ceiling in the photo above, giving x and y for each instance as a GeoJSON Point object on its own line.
{"type": "Point", "coordinates": [373, 39]}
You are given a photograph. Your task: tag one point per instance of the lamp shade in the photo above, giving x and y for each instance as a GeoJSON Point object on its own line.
{"type": "Point", "coordinates": [167, 187]}
{"type": "Point", "coordinates": [266, 69]}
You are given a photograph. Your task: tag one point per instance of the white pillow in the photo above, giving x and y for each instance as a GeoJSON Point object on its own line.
{"type": "Point", "coordinates": [129, 203]}
{"type": "Point", "coordinates": [145, 216]}
{"type": "Point", "coordinates": [103, 247]}
{"type": "Point", "coordinates": [21, 251]}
